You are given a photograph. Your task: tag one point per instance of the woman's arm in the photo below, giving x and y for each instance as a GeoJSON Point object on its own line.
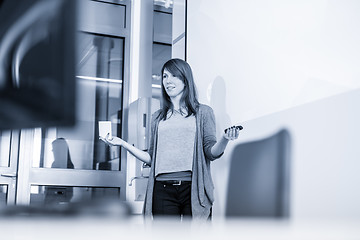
{"type": "Point", "coordinates": [219, 147]}
{"type": "Point", "coordinates": [139, 154]}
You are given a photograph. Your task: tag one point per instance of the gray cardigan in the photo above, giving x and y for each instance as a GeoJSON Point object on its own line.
{"type": "Point", "coordinates": [202, 187]}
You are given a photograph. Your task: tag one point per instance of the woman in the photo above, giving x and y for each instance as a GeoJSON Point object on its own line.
{"type": "Point", "coordinates": [182, 145]}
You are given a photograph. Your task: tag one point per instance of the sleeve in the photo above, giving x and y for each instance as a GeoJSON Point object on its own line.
{"type": "Point", "coordinates": [209, 134]}
{"type": "Point", "coordinates": [152, 136]}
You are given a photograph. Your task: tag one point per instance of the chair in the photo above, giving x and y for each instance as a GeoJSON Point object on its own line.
{"type": "Point", "coordinates": [259, 178]}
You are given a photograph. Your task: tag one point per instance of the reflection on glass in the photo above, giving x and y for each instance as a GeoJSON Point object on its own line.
{"type": "Point", "coordinates": [58, 195]}
{"type": "Point", "coordinates": [62, 159]}
{"type": "Point", "coordinates": [99, 98]}
{"type": "Point", "coordinates": [5, 137]}
{"type": "Point", "coordinates": [61, 152]}
{"type": "Point", "coordinates": [161, 54]}
{"type": "Point", "coordinates": [3, 194]}
{"type": "Point", "coordinates": [100, 56]}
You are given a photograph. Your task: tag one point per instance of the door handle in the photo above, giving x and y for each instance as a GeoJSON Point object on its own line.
{"type": "Point", "coordinates": [10, 175]}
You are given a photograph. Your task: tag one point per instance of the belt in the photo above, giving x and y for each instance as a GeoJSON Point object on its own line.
{"type": "Point", "coordinates": [174, 182]}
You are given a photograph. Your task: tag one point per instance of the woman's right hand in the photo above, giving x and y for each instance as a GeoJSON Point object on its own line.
{"type": "Point", "coordinates": [112, 141]}
{"type": "Point", "coordinates": [139, 154]}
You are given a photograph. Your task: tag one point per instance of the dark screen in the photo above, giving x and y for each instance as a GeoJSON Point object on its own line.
{"type": "Point", "coordinates": [37, 63]}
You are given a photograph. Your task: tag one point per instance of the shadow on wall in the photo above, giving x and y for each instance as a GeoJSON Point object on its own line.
{"type": "Point", "coordinates": [218, 104]}
{"type": "Point", "coordinates": [259, 178]}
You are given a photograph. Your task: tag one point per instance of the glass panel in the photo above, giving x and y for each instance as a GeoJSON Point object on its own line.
{"type": "Point", "coordinates": [3, 194]}
{"type": "Point", "coordinates": [5, 137]}
{"type": "Point", "coordinates": [103, 15]}
{"type": "Point", "coordinates": [100, 56]}
{"type": "Point", "coordinates": [162, 27]}
{"type": "Point", "coordinates": [58, 195]}
{"type": "Point", "coordinates": [161, 54]}
{"type": "Point", "coordinates": [99, 98]}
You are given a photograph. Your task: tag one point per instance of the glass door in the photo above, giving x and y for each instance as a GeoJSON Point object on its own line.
{"type": "Point", "coordinates": [8, 166]}
{"type": "Point", "coordinates": [62, 165]}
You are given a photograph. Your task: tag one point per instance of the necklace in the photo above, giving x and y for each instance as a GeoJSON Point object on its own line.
{"type": "Point", "coordinates": [178, 111]}
{"type": "Point", "coordinates": [182, 111]}
{"type": "Point", "coordinates": [174, 112]}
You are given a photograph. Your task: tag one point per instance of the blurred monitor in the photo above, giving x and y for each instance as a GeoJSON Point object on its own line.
{"type": "Point", "coordinates": [37, 63]}
{"type": "Point", "coordinates": [259, 179]}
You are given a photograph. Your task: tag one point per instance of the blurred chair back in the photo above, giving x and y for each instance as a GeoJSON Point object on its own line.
{"type": "Point", "coordinates": [259, 178]}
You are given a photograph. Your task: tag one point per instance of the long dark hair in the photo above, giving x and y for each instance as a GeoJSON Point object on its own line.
{"type": "Point", "coordinates": [182, 70]}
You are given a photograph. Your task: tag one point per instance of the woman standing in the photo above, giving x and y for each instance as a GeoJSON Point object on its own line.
{"type": "Point", "coordinates": [182, 145]}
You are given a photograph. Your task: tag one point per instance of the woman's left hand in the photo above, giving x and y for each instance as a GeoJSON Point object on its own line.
{"type": "Point", "coordinates": [231, 133]}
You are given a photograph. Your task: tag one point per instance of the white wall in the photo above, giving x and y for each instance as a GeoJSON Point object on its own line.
{"type": "Point", "coordinates": [285, 64]}
{"type": "Point", "coordinates": [274, 55]}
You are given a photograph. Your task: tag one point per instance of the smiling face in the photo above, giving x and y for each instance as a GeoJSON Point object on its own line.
{"type": "Point", "coordinates": [178, 89]}
{"type": "Point", "coordinates": [173, 85]}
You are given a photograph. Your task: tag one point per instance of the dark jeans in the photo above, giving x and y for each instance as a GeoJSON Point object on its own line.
{"type": "Point", "coordinates": [172, 200]}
